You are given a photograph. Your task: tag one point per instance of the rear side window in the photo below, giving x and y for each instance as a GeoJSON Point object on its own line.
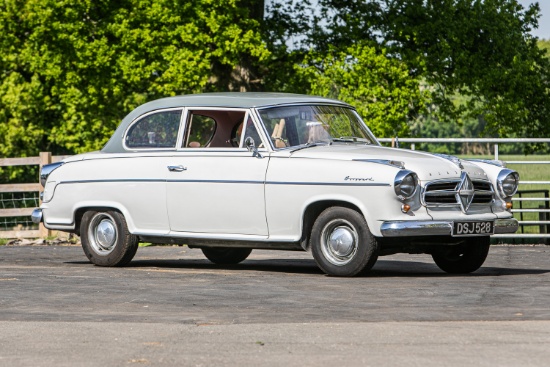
{"type": "Point", "coordinates": [201, 131]}
{"type": "Point", "coordinates": [157, 130]}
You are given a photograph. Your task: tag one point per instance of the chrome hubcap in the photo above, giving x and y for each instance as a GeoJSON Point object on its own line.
{"type": "Point", "coordinates": [339, 242]}
{"type": "Point", "coordinates": [103, 234]}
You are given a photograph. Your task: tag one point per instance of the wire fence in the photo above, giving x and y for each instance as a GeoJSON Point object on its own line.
{"type": "Point", "coordinates": [18, 200]}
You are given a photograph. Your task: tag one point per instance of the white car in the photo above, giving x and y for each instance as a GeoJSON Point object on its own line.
{"type": "Point", "coordinates": [232, 172]}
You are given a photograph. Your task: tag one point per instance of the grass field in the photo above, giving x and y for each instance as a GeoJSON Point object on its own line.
{"type": "Point", "coordinates": [529, 172]}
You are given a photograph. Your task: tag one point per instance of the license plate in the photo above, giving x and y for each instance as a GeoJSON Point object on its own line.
{"type": "Point", "coordinates": [473, 228]}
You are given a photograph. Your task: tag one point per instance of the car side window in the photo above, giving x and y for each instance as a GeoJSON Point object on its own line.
{"type": "Point", "coordinates": [250, 131]}
{"type": "Point", "coordinates": [276, 128]}
{"type": "Point", "coordinates": [157, 130]}
{"type": "Point", "coordinates": [201, 130]}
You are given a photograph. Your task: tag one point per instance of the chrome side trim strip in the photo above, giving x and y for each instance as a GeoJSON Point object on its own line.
{"type": "Point", "coordinates": [232, 182]}
{"type": "Point", "coordinates": [327, 183]}
{"type": "Point", "coordinates": [113, 180]}
{"type": "Point", "coordinates": [217, 181]}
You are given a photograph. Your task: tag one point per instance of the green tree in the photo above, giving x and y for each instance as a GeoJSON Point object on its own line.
{"type": "Point", "coordinates": [479, 49]}
{"type": "Point", "coordinates": [544, 44]}
{"type": "Point", "coordinates": [71, 70]}
{"type": "Point", "coordinates": [378, 85]}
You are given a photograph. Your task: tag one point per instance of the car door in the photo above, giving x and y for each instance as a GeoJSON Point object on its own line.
{"type": "Point", "coordinates": [214, 185]}
{"type": "Point", "coordinates": [135, 180]}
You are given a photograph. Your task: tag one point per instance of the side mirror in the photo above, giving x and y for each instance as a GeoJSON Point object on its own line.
{"type": "Point", "coordinates": [251, 146]}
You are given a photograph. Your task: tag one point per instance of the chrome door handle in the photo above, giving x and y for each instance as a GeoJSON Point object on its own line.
{"type": "Point", "coordinates": [177, 168]}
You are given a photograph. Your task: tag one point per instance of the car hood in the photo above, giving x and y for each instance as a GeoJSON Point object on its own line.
{"type": "Point", "coordinates": [426, 165]}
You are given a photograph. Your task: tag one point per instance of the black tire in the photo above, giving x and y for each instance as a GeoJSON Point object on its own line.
{"type": "Point", "coordinates": [105, 238]}
{"type": "Point", "coordinates": [342, 244]}
{"type": "Point", "coordinates": [464, 258]}
{"type": "Point", "coordinates": [226, 255]}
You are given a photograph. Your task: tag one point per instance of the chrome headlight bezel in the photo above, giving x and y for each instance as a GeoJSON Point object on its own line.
{"type": "Point", "coordinates": [405, 184]}
{"type": "Point", "coordinates": [507, 183]}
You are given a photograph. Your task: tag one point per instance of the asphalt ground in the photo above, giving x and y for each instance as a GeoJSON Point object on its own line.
{"type": "Point", "coordinates": [171, 307]}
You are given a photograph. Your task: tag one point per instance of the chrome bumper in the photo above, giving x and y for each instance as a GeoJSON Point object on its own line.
{"type": "Point", "coordinates": [437, 228]}
{"type": "Point", "coordinates": [36, 216]}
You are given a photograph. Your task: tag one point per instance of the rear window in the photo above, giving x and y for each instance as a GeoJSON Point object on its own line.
{"type": "Point", "coordinates": [157, 130]}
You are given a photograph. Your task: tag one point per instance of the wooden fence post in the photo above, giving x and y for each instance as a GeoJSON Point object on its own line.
{"type": "Point", "coordinates": [45, 158]}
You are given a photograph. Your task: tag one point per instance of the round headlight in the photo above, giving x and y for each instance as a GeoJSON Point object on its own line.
{"type": "Point", "coordinates": [507, 182]}
{"type": "Point", "coordinates": [405, 184]}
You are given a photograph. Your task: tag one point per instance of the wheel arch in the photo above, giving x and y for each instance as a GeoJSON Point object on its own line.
{"type": "Point", "coordinates": [314, 209]}
{"type": "Point", "coordinates": [80, 211]}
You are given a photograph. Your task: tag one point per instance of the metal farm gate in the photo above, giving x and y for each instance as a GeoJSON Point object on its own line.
{"type": "Point", "coordinates": [531, 203]}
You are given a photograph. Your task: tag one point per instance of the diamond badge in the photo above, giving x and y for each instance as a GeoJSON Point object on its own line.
{"type": "Point", "coordinates": [465, 192]}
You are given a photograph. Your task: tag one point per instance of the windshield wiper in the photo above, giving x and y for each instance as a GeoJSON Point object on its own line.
{"type": "Point", "coordinates": [351, 139]}
{"type": "Point", "coordinates": [309, 145]}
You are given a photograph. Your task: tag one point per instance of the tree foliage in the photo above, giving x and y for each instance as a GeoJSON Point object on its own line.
{"type": "Point", "coordinates": [379, 86]}
{"type": "Point", "coordinates": [479, 49]}
{"type": "Point", "coordinates": [544, 45]}
{"type": "Point", "coordinates": [70, 70]}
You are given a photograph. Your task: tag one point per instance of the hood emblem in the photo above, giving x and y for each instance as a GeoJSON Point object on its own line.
{"type": "Point", "coordinates": [465, 192]}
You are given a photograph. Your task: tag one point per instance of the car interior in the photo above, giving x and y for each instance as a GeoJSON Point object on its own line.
{"type": "Point", "coordinates": [215, 129]}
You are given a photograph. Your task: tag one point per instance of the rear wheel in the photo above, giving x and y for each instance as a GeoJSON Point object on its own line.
{"type": "Point", "coordinates": [464, 258]}
{"type": "Point", "coordinates": [106, 240]}
{"type": "Point", "coordinates": [226, 255]}
{"type": "Point", "coordinates": [342, 244]}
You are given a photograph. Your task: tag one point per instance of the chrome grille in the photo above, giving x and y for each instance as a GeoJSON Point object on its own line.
{"type": "Point", "coordinates": [441, 193]}
{"type": "Point", "coordinates": [484, 192]}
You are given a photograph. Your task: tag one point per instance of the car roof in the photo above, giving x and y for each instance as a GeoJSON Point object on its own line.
{"type": "Point", "coordinates": [207, 100]}
{"type": "Point", "coordinates": [237, 100]}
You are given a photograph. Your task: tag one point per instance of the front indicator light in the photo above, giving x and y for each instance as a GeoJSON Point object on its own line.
{"type": "Point", "coordinates": [405, 208]}
{"type": "Point", "coordinates": [509, 206]}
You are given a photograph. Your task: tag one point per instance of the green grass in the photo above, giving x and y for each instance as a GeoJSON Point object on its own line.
{"type": "Point", "coordinates": [3, 241]}
{"type": "Point", "coordinates": [531, 172]}
{"type": "Point", "coordinates": [528, 172]}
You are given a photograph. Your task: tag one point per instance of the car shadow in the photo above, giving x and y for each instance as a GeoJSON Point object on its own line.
{"type": "Point", "coordinates": [402, 268]}
{"type": "Point", "coordinates": [294, 266]}
{"type": "Point", "coordinates": [382, 268]}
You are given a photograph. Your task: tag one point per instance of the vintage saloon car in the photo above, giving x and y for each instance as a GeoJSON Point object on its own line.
{"type": "Point", "coordinates": [232, 172]}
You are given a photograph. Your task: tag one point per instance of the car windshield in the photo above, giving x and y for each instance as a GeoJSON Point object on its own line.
{"type": "Point", "coordinates": [303, 126]}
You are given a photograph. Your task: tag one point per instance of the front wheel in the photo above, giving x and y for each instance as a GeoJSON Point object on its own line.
{"type": "Point", "coordinates": [342, 244]}
{"type": "Point", "coordinates": [464, 258]}
{"type": "Point", "coordinates": [105, 238]}
{"type": "Point", "coordinates": [226, 255]}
